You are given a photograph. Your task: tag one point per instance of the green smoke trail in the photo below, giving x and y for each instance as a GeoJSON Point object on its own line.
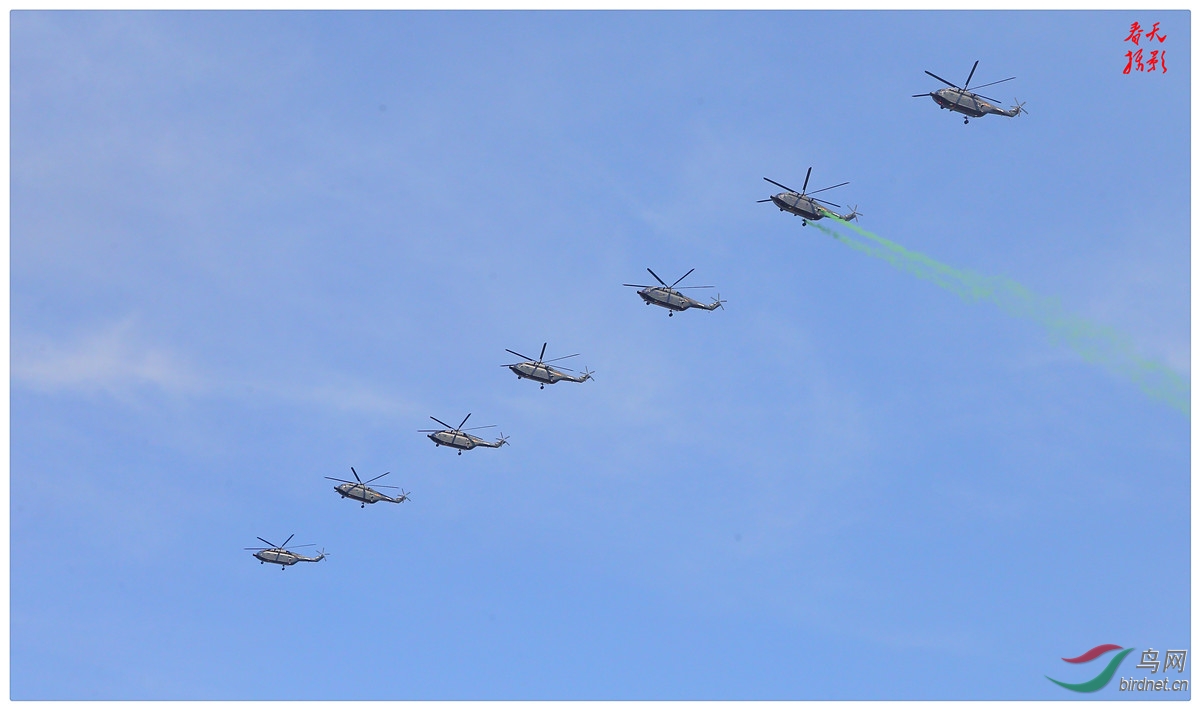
{"type": "Point", "coordinates": [1097, 344]}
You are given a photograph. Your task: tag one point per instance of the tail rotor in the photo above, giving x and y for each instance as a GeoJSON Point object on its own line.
{"type": "Point", "coordinates": [1019, 108]}
{"type": "Point", "coordinates": [588, 374]}
{"type": "Point", "coordinates": [853, 216]}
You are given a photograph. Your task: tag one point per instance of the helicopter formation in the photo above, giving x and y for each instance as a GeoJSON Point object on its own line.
{"type": "Point", "coordinates": [800, 203]}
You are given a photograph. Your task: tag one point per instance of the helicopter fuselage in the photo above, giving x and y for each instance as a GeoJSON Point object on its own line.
{"type": "Point", "coordinates": [461, 440]}
{"type": "Point", "coordinates": [799, 205]}
{"type": "Point", "coordinates": [671, 299]}
{"type": "Point", "coordinates": [284, 557]}
{"type": "Point", "coordinates": [968, 103]}
{"type": "Point", "coordinates": [360, 492]}
{"type": "Point", "coordinates": [542, 373]}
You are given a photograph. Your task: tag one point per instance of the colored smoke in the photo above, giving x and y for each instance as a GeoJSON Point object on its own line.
{"type": "Point", "coordinates": [1097, 344]}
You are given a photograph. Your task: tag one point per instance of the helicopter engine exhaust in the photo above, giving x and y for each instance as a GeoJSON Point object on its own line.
{"type": "Point", "coordinates": [1097, 344]}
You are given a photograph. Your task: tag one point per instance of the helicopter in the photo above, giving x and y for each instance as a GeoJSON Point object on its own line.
{"type": "Point", "coordinates": [457, 438]}
{"type": "Point", "coordinates": [361, 492]}
{"type": "Point", "coordinates": [670, 298]}
{"type": "Point", "coordinates": [969, 103]}
{"type": "Point", "coordinates": [539, 371]}
{"type": "Point", "coordinates": [277, 555]}
{"type": "Point", "coordinates": [802, 205]}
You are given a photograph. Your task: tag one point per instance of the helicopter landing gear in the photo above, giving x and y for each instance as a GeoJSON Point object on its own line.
{"type": "Point", "coordinates": [670, 313]}
{"type": "Point", "coordinates": [542, 387]}
{"type": "Point", "coordinates": [804, 223]}
{"type": "Point", "coordinates": [363, 505]}
{"type": "Point", "coordinates": [966, 121]}
{"type": "Point", "coordinates": [460, 453]}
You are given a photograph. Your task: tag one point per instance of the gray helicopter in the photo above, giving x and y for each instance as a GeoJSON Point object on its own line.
{"type": "Point", "coordinates": [670, 298]}
{"type": "Point", "coordinates": [458, 438]}
{"type": "Point", "coordinates": [802, 205]}
{"type": "Point", "coordinates": [969, 103]}
{"type": "Point", "coordinates": [540, 371]}
{"type": "Point", "coordinates": [359, 491]}
{"type": "Point", "coordinates": [277, 555]}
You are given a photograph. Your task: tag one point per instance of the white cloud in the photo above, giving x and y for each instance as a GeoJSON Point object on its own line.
{"type": "Point", "coordinates": [112, 360]}
{"type": "Point", "coordinates": [118, 360]}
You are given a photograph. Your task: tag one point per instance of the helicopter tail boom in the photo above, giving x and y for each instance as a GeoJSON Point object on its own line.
{"type": "Point", "coordinates": [711, 306]}
{"type": "Point", "coordinates": [1017, 109]}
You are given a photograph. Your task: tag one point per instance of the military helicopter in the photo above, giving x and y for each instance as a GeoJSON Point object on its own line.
{"type": "Point", "coordinates": [969, 103]}
{"type": "Point", "coordinates": [277, 555]}
{"type": "Point", "coordinates": [802, 205]}
{"type": "Point", "coordinates": [670, 298]}
{"type": "Point", "coordinates": [539, 371]}
{"type": "Point", "coordinates": [361, 492]}
{"type": "Point", "coordinates": [457, 438]}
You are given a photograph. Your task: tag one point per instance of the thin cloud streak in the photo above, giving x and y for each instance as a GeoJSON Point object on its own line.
{"type": "Point", "coordinates": [117, 361]}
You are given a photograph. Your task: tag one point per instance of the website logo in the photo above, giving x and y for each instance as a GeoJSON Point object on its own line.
{"type": "Point", "coordinates": [1106, 675]}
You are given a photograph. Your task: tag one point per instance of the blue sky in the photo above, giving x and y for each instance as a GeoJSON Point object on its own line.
{"type": "Point", "coordinates": [250, 250]}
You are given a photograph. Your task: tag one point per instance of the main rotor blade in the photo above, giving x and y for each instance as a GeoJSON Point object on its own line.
{"type": "Point", "coordinates": [766, 200]}
{"type": "Point", "coordinates": [564, 357]}
{"type": "Point", "coordinates": [273, 545]}
{"type": "Point", "coordinates": [640, 285]}
{"type": "Point", "coordinates": [681, 278]}
{"type": "Point", "coordinates": [996, 82]}
{"type": "Point", "coordinates": [285, 542]}
{"type": "Point", "coordinates": [778, 185]}
{"type": "Point", "coordinates": [935, 76]}
{"type": "Point", "coordinates": [806, 176]}
{"type": "Point", "coordinates": [683, 287]}
{"type": "Point", "coordinates": [970, 75]}
{"type": "Point", "coordinates": [311, 544]}
{"type": "Point", "coordinates": [543, 352]}
{"type": "Point", "coordinates": [489, 426]}
{"type": "Point", "coordinates": [439, 421]}
{"type": "Point", "coordinates": [823, 189]}
{"type": "Point", "coordinates": [464, 421]}
{"type": "Point", "coordinates": [355, 475]}
{"type": "Point", "coordinates": [389, 486]}
{"type": "Point", "coordinates": [917, 96]}
{"type": "Point", "coordinates": [514, 352]}
{"type": "Point", "coordinates": [379, 476]}
{"type": "Point", "coordinates": [818, 199]}
{"type": "Point", "coordinates": [339, 480]}
{"type": "Point", "coordinates": [257, 548]}
{"type": "Point", "coordinates": [664, 283]}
